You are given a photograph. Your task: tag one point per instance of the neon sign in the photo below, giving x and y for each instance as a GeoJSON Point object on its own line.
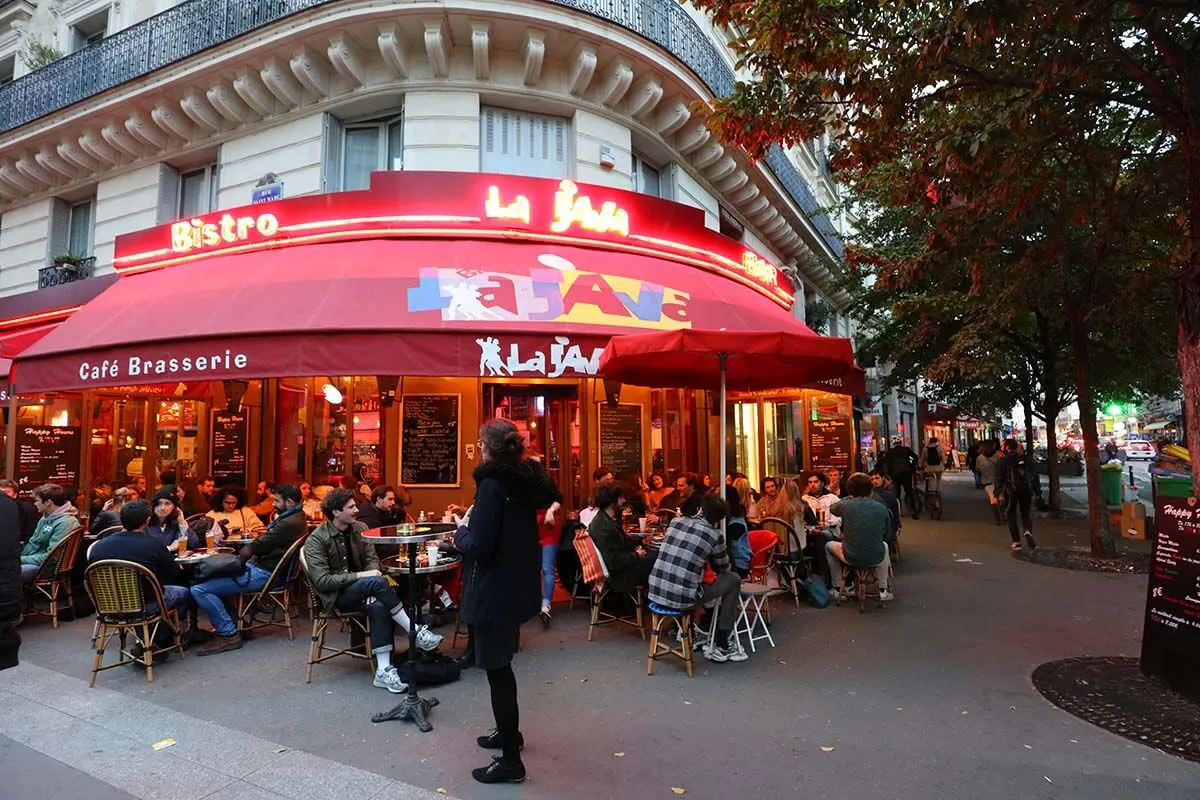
{"type": "Point", "coordinates": [194, 234]}
{"type": "Point", "coordinates": [456, 206]}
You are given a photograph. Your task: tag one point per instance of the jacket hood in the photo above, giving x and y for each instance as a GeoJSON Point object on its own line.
{"type": "Point", "coordinates": [519, 479]}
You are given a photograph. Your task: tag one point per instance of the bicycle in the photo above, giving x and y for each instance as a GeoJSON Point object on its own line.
{"type": "Point", "coordinates": [915, 499]}
{"type": "Point", "coordinates": [933, 498]}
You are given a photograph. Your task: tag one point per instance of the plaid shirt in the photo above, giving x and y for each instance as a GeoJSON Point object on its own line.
{"type": "Point", "coordinates": [677, 578]}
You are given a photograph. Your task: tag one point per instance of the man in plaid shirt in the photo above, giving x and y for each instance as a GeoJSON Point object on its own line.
{"type": "Point", "coordinates": [677, 580]}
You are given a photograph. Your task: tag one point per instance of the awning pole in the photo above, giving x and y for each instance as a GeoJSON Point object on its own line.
{"type": "Point", "coordinates": [721, 476]}
{"type": "Point", "coordinates": [10, 452]}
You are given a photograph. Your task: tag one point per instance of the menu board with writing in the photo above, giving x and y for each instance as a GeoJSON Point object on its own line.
{"type": "Point", "coordinates": [1171, 635]}
{"type": "Point", "coordinates": [429, 440]}
{"type": "Point", "coordinates": [47, 454]}
{"type": "Point", "coordinates": [829, 444]}
{"type": "Point", "coordinates": [621, 440]}
{"type": "Point", "coordinates": [229, 448]}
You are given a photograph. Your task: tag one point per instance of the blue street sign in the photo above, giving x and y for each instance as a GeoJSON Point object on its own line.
{"type": "Point", "coordinates": [266, 193]}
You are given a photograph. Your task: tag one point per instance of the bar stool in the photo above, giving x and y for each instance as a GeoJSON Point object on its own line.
{"type": "Point", "coordinates": [659, 617]}
{"type": "Point", "coordinates": [864, 577]}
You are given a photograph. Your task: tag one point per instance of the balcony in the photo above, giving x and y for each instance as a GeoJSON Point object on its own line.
{"type": "Point", "coordinates": [57, 275]}
{"type": "Point", "coordinates": [194, 26]}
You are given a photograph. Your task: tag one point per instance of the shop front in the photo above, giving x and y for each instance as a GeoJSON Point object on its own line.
{"type": "Point", "coordinates": [363, 337]}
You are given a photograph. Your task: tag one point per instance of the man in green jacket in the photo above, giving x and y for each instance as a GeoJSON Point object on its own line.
{"type": "Point", "coordinates": [345, 570]}
{"type": "Point", "coordinates": [57, 520]}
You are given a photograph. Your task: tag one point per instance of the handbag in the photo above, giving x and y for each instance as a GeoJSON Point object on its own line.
{"type": "Point", "coordinates": [818, 592]}
{"type": "Point", "coordinates": [222, 565]}
{"type": "Point", "coordinates": [432, 669]}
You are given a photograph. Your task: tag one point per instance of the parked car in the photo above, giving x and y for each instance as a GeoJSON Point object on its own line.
{"type": "Point", "coordinates": [1139, 450]}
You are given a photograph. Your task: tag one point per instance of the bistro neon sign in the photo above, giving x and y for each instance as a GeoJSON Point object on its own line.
{"type": "Point", "coordinates": [462, 205]}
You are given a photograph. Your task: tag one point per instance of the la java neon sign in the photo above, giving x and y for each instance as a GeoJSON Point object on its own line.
{"type": "Point", "coordinates": [462, 205]}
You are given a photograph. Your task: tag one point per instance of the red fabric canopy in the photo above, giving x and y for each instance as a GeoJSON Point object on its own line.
{"type": "Point", "coordinates": [385, 307]}
{"type": "Point", "coordinates": [756, 359]}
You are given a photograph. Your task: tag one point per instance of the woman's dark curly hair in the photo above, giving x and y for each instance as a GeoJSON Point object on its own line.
{"type": "Point", "coordinates": [501, 439]}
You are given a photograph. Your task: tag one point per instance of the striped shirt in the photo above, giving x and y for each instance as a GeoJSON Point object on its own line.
{"type": "Point", "coordinates": [677, 580]}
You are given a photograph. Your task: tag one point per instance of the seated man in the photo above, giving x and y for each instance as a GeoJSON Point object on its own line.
{"type": "Point", "coordinates": [865, 523]}
{"type": "Point", "coordinates": [134, 544]}
{"type": "Point", "coordinates": [677, 580]}
{"type": "Point", "coordinates": [261, 557]}
{"type": "Point", "coordinates": [57, 520]}
{"type": "Point", "coordinates": [686, 485]}
{"type": "Point", "coordinates": [346, 573]}
{"type": "Point", "coordinates": [819, 498]}
{"type": "Point", "coordinates": [882, 494]}
{"type": "Point", "coordinates": [382, 510]}
{"type": "Point", "coordinates": [628, 563]}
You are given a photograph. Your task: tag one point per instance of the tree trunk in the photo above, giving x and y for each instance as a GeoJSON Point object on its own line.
{"type": "Point", "coordinates": [1027, 407]}
{"type": "Point", "coordinates": [1053, 474]}
{"type": "Point", "coordinates": [1187, 295]}
{"type": "Point", "coordinates": [1099, 533]}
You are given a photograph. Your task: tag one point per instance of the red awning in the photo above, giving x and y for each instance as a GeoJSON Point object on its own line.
{"type": "Point", "coordinates": [385, 307]}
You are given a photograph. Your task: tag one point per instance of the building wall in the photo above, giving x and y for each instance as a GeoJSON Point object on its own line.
{"type": "Point", "coordinates": [593, 133]}
{"type": "Point", "coordinates": [441, 131]}
{"type": "Point", "coordinates": [23, 246]}
{"type": "Point", "coordinates": [293, 151]}
{"type": "Point", "coordinates": [688, 190]}
{"type": "Point", "coordinates": [128, 202]}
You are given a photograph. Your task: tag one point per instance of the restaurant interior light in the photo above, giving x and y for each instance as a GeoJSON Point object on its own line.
{"type": "Point", "coordinates": [331, 394]}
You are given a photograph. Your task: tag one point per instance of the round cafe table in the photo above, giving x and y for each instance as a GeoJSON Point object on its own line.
{"type": "Point", "coordinates": [412, 708]}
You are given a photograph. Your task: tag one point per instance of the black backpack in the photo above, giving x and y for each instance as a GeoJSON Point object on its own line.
{"type": "Point", "coordinates": [1018, 476]}
{"type": "Point", "coordinates": [432, 669]}
{"type": "Point", "coordinates": [933, 456]}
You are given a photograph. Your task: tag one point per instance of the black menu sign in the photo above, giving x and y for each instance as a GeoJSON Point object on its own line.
{"type": "Point", "coordinates": [429, 440]}
{"type": "Point", "coordinates": [1171, 635]}
{"type": "Point", "coordinates": [47, 454]}
{"type": "Point", "coordinates": [621, 439]}
{"type": "Point", "coordinates": [229, 448]}
{"type": "Point", "coordinates": [829, 444]}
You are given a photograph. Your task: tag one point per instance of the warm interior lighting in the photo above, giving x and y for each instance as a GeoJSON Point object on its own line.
{"type": "Point", "coordinates": [332, 394]}
{"type": "Point", "coordinates": [60, 420]}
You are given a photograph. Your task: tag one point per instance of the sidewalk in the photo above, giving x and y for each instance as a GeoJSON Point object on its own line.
{"type": "Point", "coordinates": [929, 698]}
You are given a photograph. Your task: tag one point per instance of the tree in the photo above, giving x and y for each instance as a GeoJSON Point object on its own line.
{"type": "Point", "coordinates": [1058, 116]}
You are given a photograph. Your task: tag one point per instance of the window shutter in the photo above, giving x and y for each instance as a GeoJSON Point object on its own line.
{"type": "Point", "coordinates": [60, 229]}
{"type": "Point", "coordinates": [168, 193]}
{"type": "Point", "coordinates": [518, 143]}
{"type": "Point", "coordinates": [331, 179]}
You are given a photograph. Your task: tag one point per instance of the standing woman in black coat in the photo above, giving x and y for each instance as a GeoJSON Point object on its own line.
{"type": "Point", "coordinates": [501, 582]}
{"type": "Point", "coordinates": [10, 581]}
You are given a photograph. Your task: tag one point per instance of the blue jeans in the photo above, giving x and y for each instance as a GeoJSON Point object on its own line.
{"type": "Point", "coordinates": [176, 597]}
{"type": "Point", "coordinates": [208, 596]}
{"type": "Point", "coordinates": [549, 557]}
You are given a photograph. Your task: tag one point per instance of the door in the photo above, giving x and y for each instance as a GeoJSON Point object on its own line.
{"type": "Point", "coordinates": [547, 415]}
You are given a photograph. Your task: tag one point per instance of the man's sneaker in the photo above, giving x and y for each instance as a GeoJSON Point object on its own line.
{"type": "Point", "coordinates": [718, 654]}
{"type": "Point", "coordinates": [700, 638]}
{"type": "Point", "coordinates": [886, 597]}
{"type": "Point", "coordinates": [221, 644]}
{"type": "Point", "coordinates": [737, 653]}
{"type": "Point", "coordinates": [390, 680]}
{"type": "Point", "coordinates": [427, 640]}
{"type": "Point", "coordinates": [1029, 542]}
{"type": "Point", "coordinates": [499, 772]}
{"type": "Point", "coordinates": [491, 741]}
{"type": "Point", "coordinates": [1016, 546]}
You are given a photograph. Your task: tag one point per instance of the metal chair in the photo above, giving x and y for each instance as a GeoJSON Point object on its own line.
{"type": "Point", "coordinates": [788, 558]}
{"type": "Point", "coordinates": [129, 599]}
{"type": "Point", "coordinates": [275, 597]}
{"type": "Point", "coordinates": [357, 621]}
{"type": "Point", "coordinates": [54, 576]}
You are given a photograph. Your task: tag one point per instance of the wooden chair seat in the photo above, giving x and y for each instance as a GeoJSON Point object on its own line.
{"type": "Point", "coordinates": [357, 622]}
{"type": "Point", "coordinates": [682, 620]}
{"type": "Point", "coordinates": [123, 593]}
{"type": "Point", "coordinates": [53, 578]}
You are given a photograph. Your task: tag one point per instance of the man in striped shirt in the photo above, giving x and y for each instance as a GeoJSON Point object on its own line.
{"type": "Point", "coordinates": [677, 580]}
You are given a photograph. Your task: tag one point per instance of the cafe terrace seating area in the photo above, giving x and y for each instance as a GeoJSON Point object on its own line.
{"type": "Point", "coordinates": [132, 626]}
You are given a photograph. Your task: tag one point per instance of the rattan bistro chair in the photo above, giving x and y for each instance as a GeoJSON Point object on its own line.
{"type": "Point", "coordinates": [275, 598]}
{"type": "Point", "coordinates": [358, 622]}
{"type": "Point", "coordinates": [54, 577]}
{"type": "Point", "coordinates": [111, 529]}
{"type": "Point", "coordinates": [595, 572]}
{"type": "Point", "coordinates": [789, 557]}
{"type": "Point", "coordinates": [123, 593]}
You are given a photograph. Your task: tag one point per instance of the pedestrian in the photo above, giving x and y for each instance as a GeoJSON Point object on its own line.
{"type": "Point", "coordinates": [972, 456]}
{"type": "Point", "coordinates": [501, 564]}
{"type": "Point", "coordinates": [985, 473]}
{"type": "Point", "coordinates": [1012, 478]}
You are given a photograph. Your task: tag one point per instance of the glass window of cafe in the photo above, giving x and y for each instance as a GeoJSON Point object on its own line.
{"type": "Point", "coordinates": [673, 432]}
{"type": "Point", "coordinates": [117, 441]}
{"type": "Point", "coordinates": [328, 429]}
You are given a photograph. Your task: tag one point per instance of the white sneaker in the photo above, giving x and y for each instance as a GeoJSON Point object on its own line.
{"type": "Point", "coordinates": [738, 653]}
{"type": "Point", "coordinates": [886, 597]}
{"type": "Point", "coordinates": [427, 640]}
{"type": "Point", "coordinates": [718, 654]}
{"type": "Point", "coordinates": [390, 680]}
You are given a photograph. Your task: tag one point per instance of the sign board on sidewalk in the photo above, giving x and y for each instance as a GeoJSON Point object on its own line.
{"type": "Point", "coordinates": [1171, 635]}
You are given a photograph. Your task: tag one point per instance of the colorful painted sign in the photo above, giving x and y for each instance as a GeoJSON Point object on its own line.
{"type": "Point", "coordinates": [458, 205]}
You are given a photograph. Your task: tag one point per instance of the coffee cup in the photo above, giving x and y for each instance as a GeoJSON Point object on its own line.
{"type": "Point", "coordinates": [431, 550]}
{"type": "Point", "coordinates": [642, 521]}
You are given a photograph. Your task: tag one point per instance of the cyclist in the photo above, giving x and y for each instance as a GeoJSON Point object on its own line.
{"type": "Point", "coordinates": [933, 464]}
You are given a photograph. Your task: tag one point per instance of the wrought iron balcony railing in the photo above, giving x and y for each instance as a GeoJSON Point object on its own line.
{"type": "Point", "coordinates": [66, 273]}
{"type": "Point", "coordinates": [197, 25]}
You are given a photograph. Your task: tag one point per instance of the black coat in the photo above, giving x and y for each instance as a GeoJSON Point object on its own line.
{"type": "Point", "coordinates": [10, 580]}
{"type": "Point", "coordinates": [501, 556]}
{"type": "Point", "coordinates": [102, 520]}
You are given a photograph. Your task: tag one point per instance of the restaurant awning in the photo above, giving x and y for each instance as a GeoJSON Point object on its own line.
{"type": "Point", "coordinates": [384, 307]}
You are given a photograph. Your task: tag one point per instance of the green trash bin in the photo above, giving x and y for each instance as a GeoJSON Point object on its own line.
{"type": "Point", "coordinates": [1110, 484]}
{"type": "Point", "coordinates": [1172, 486]}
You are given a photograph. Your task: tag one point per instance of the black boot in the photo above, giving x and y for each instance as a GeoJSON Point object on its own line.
{"type": "Point", "coordinates": [500, 772]}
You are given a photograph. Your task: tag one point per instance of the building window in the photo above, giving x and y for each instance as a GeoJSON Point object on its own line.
{"type": "Point", "coordinates": [197, 191]}
{"type": "Point", "coordinates": [90, 29]}
{"type": "Point", "coordinates": [647, 179]}
{"type": "Point", "coordinates": [518, 143]}
{"type": "Point", "coordinates": [355, 150]}
{"type": "Point", "coordinates": [79, 237]}
{"type": "Point", "coordinates": [8, 67]}
{"type": "Point", "coordinates": [730, 225]}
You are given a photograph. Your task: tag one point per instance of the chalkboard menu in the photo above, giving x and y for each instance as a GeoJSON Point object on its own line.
{"type": "Point", "coordinates": [829, 444]}
{"type": "Point", "coordinates": [229, 448]}
{"type": "Point", "coordinates": [429, 440]}
{"type": "Point", "coordinates": [621, 439]}
{"type": "Point", "coordinates": [47, 454]}
{"type": "Point", "coordinates": [1171, 635]}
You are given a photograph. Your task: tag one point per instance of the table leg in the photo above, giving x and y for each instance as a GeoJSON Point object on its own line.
{"type": "Point", "coordinates": [412, 708]}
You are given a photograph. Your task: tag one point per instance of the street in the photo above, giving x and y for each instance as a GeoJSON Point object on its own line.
{"type": "Point", "coordinates": [1075, 489]}
{"type": "Point", "coordinates": [927, 699]}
